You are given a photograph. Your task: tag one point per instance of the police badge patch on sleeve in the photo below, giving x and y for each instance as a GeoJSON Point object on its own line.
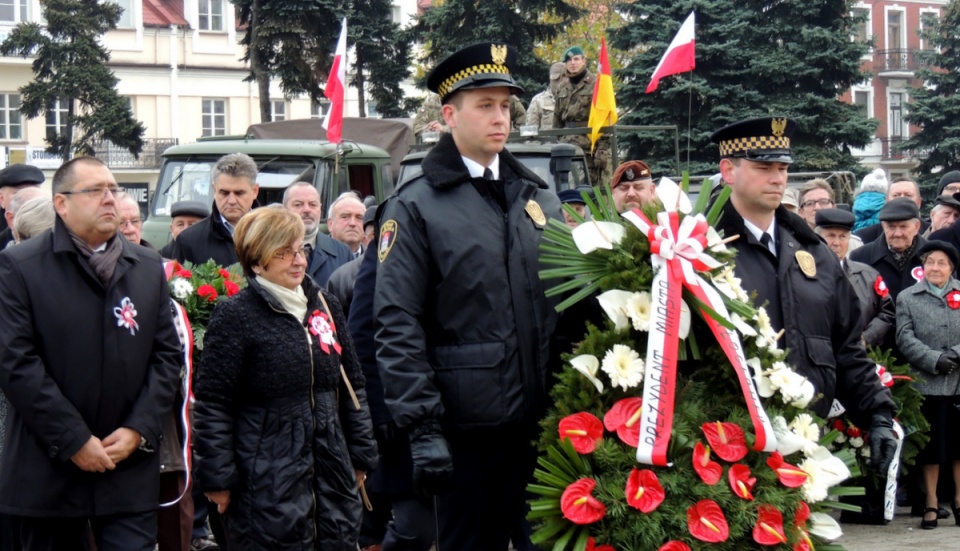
{"type": "Point", "coordinates": [388, 235]}
{"type": "Point", "coordinates": [535, 213]}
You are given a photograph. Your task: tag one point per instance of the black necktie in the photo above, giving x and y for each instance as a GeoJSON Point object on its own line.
{"type": "Point", "coordinates": [765, 240]}
{"type": "Point", "coordinates": [487, 174]}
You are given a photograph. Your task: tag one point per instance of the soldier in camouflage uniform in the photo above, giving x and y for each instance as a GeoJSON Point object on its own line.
{"type": "Point", "coordinates": [541, 107]}
{"type": "Point", "coordinates": [429, 119]}
{"type": "Point", "coordinates": [572, 110]}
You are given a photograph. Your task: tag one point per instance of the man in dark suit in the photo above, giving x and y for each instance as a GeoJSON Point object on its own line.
{"type": "Point", "coordinates": [325, 253]}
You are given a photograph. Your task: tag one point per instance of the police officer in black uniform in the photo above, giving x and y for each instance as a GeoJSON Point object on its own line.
{"type": "Point", "coordinates": [464, 329]}
{"type": "Point", "coordinates": [799, 280]}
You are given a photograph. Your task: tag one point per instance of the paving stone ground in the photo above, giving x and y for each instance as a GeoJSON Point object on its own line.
{"type": "Point", "coordinates": [903, 533]}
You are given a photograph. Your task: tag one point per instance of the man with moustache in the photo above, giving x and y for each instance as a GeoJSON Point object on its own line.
{"type": "Point", "coordinates": [324, 254]}
{"type": "Point", "coordinates": [633, 186]}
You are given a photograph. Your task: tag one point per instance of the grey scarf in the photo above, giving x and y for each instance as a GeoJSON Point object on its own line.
{"type": "Point", "coordinates": [102, 262]}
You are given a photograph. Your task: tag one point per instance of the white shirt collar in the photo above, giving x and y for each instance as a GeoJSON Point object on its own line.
{"type": "Point", "coordinates": [757, 232]}
{"type": "Point", "coordinates": [476, 169]}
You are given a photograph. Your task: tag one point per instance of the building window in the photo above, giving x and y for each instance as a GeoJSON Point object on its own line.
{"type": "Point", "coordinates": [13, 11]}
{"type": "Point", "coordinates": [57, 118]}
{"type": "Point", "coordinates": [10, 124]}
{"type": "Point", "coordinates": [278, 110]}
{"type": "Point", "coordinates": [211, 15]}
{"type": "Point", "coordinates": [861, 30]}
{"type": "Point", "coordinates": [896, 127]}
{"type": "Point", "coordinates": [861, 98]}
{"type": "Point", "coordinates": [319, 110]}
{"type": "Point", "coordinates": [395, 14]}
{"type": "Point", "coordinates": [895, 30]}
{"type": "Point", "coordinates": [214, 117]}
{"type": "Point", "coordinates": [928, 22]}
{"type": "Point", "coordinates": [126, 18]}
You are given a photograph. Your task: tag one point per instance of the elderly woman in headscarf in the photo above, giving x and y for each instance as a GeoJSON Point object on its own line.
{"type": "Point", "coordinates": [928, 335]}
{"type": "Point", "coordinates": [283, 431]}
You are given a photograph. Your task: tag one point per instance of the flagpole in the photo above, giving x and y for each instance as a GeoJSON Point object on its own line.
{"type": "Point", "coordinates": [689, 118]}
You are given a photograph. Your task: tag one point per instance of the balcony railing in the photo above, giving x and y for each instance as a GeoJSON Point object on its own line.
{"type": "Point", "coordinates": [900, 61]}
{"type": "Point", "coordinates": [120, 157]}
{"type": "Point", "coordinates": [892, 149]}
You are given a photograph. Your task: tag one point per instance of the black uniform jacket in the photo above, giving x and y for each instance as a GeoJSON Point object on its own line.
{"type": "Point", "coordinates": [878, 255]}
{"type": "Point", "coordinates": [464, 329]}
{"type": "Point", "coordinates": [821, 314]}
{"type": "Point", "coordinates": [73, 368]}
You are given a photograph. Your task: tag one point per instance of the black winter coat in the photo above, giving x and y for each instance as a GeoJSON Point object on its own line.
{"type": "Point", "coordinates": [820, 314]}
{"type": "Point", "coordinates": [877, 255]}
{"type": "Point", "coordinates": [877, 312]}
{"type": "Point", "coordinates": [464, 329]}
{"type": "Point", "coordinates": [206, 239]}
{"type": "Point", "coordinates": [270, 427]}
{"type": "Point", "coordinates": [72, 370]}
{"type": "Point", "coordinates": [328, 255]}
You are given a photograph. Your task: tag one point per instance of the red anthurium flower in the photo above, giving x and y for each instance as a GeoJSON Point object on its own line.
{"type": "Point", "coordinates": [624, 419]}
{"type": "Point", "coordinates": [591, 546]}
{"type": "Point", "coordinates": [790, 476]}
{"type": "Point", "coordinates": [706, 522]}
{"type": "Point", "coordinates": [880, 287]}
{"type": "Point", "coordinates": [231, 287]}
{"type": "Point", "coordinates": [953, 299]}
{"type": "Point", "coordinates": [644, 491]}
{"type": "Point", "coordinates": [803, 545]}
{"type": "Point", "coordinates": [207, 290]}
{"type": "Point", "coordinates": [727, 440]}
{"type": "Point", "coordinates": [578, 506]}
{"type": "Point", "coordinates": [740, 481]}
{"type": "Point", "coordinates": [674, 546]}
{"type": "Point", "coordinates": [803, 514]}
{"type": "Point", "coordinates": [709, 471]}
{"type": "Point", "coordinates": [584, 431]}
{"type": "Point", "coordinates": [854, 432]}
{"type": "Point", "coordinates": [769, 527]}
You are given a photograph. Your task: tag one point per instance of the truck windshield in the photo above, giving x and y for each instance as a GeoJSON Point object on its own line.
{"type": "Point", "coordinates": [189, 179]}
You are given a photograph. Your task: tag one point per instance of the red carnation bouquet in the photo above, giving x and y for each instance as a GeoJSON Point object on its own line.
{"type": "Point", "coordinates": [199, 287]}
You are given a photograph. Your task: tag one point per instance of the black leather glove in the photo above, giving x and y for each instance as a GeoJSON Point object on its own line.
{"type": "Point", "coordinates": [947, 362]}
{"type": "Point", "coordinates": [883, 443]}
{"type": "Point", "coordinates": [386, 435]}
{"type": "Point", "coordinates": [432, 463]}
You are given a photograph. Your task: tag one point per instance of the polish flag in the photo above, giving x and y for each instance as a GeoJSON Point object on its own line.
{"type": "Point", "coordinates": [680, 54]}
{"type": "Point", "coordinates": [336, 83]}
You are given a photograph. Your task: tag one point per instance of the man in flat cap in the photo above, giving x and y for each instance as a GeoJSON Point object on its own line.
{"type": "Point", "coordinates": [463, 327]}
{"type": "Point", "coordinates": [632, 186]}
{"type": "Point", "coordinates": [574, 198]}
{"type": "Point", "coordinates": [945, 212]}
{"type": "Point", "coordinates": [877, 312]}
{"type": "Point", "coordinates": [894, 253]}
{"type": "Point", "coordinates": [183, 214]}
{"type": "Point", "coordinates": [12, 179]}
{"type": "Point", "coordinates": [805, 290]}
{"type": "Point", "coordinates": [572, 101]}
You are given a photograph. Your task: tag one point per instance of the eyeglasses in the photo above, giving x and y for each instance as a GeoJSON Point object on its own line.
{"type": "Point", "coordinates": [95, 192]}
{"type": "Point", "coordinates": [290, 254]}
{"type": "Point", "coordinates": [132, 221]}
{"type": "Point", "coordinates": [819, 202]}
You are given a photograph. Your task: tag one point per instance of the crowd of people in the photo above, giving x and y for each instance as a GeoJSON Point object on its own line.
{"type": "Point", "coordinates": [361, 390]}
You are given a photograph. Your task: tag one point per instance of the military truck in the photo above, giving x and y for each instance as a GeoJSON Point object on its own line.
{"type": "Point", "coordinates": [185, 173]}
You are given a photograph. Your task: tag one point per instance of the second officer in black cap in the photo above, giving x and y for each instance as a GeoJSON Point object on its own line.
{"type": "Point", "coordinates": [463, 326]}
{"type": "Point", "coordinates": [806, 293]}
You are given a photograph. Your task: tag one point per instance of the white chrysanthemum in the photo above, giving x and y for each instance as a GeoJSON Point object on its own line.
{"type": "Point", "coordinates": [865, 452]}
{"type": "Point", "coordinates": [613, 303]}
{"type": "Point", "coordinates": [825, 527]}
{"type": "Point", "coordinates": [624, 367]}
{"type": "Point", "coordinates": [588, 365]}
{"type": "Point", "coordinates": [734, 283]}
{"type": "Point", "coordinates": [638, 310]}
{"type": "Point", "coordinates": [806, 427]}
{"type": "Point", "coordinates": [841, 438]}
{"type": "Point", "coordinates": [856, 442]}
{"type": "Point", "coordinates": [181, 288]}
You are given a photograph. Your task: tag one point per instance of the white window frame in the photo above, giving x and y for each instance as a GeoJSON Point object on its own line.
{"type": "Point", "coordinates": [129, 13]}
{"type": "Point", "coordinates": [319, 110]}
{"type": "Point", "coordinates": [863, 89]}
{"type": "Point", "coordinates": [21, 11]}
{"type": "Point", "coordinates": [275, 113]}
{"type": "Point", "coordinates": [904, 101]}
{"type": "Point", "coordinates": [209, 26]}
{"type": "Point", "coordinates": [209, 115]}
{"type": "Point", "coordinates": [6, 121]}
{"type": "Point", "coordinates": [868, 24]}
{"type": "Point", "coordinates": [925, 11]}
{"type": "Point", "coordinates": [903, 27]}
{"type": "Point", "coordinates": [58, 112]}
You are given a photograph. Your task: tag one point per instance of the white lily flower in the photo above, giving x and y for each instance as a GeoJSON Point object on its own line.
{"type": "Point", "coordinates": [715, 242]}
{"type": "Point", "coordinates": [593, 235]}
{"type": "Point", "coordinates": [803, 395]}
{"type": "Point", "coordinates": [613, 303]}
{"type": "Point", "coordinates": [624, 367]}
{"type": "Point", "coordinates": [788, 442]}
{"type": "Point", "coordinates": [684, 319]}
{"type": "Point", "coordinates": [669, 192]}
{"type": "Point", "coordinates": [764, 387]}
{"type": "Point", "coordinates": [638, 309]}
{"type": "Point", "coordinates": [831, 469]}
{"type": "Point", "coordinates": [825, 527]}
{"type": "Point", "coordinates": [588, 366]}
{"type": "Point", "coordinates": [743, 327]}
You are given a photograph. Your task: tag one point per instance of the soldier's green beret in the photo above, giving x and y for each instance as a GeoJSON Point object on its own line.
{"type": "Point", "coordinates": [572, 51]}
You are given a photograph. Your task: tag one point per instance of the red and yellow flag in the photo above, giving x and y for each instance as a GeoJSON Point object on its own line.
{"type": "Point", "coordinates": [603, 110]}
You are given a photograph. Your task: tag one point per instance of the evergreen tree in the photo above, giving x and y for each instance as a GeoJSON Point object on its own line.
{"type": "Point", "coordinates": [381, 58]}
{"type": "Point", "coordinates": [936, 100]}
{"type": "Point", "coordinates": [525, 24]}
{"type": "Point", "coordinates": [70, 68]}
{"type": "Point", "coordinates": [754, 58]}
{"type": "Point", "coordinates": [292, 41]}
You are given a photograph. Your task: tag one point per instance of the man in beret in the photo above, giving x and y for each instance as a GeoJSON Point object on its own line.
{"type": "Point", "coordinates": [632, 186]}
{"type": "Point", "coordinates": [876, 307]}
{"type": "Point", "coordinates": [463, 327]}
{"type": "Point", "coordinates": [572, 101]}
{"type": "Point", "coordinates": [12, 179]}
{"type": "Point", "coordinates": [949, 183]}
{"type": "Point", "coordinates": [805, 290]}
{"type": "Point", "coordinates": [894, 253]}
{"type": "Point", "coordinates": [574, 198]}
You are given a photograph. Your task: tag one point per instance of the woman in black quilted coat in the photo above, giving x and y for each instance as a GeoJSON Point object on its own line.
{"type": "Point", "coordinates": [280, 445]}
